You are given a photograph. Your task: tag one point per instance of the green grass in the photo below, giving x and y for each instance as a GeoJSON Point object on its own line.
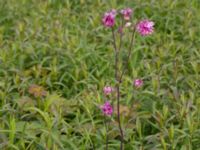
{"type": "Point", "coordinates": [62, 46]}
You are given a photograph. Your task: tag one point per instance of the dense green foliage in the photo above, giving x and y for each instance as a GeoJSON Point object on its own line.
{"type": "Point", "coordinates": [62, 46]}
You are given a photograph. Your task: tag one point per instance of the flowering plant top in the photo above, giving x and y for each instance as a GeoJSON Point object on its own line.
{"type": "Point", "coordinates": [143, 27]}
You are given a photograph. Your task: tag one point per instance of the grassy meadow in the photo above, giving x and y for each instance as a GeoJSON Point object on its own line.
{"type": "Point", "coordinates": [60, 50]}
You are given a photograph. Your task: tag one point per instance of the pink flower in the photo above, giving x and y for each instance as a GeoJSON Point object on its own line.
{"type": "Point", "coordinates": [107, 90]}
{"type": "Point", "coordinates": [145, 27]}
{"type": "Point", "coordinates": [108, 19]}
{"type": "Point", "coordinates": [107, 108]}
{"type": "Point", "coordinates": [138, 83]}
{"type": "Point", "coordinates": [113, 12]}
{"type": "Point", "coordinates": [126, 13]}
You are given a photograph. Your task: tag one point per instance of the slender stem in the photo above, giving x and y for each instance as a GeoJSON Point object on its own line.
{"type": "Point", "coordinates": [129, 55]}
{"type": "Point", "coordinates": [121, 34]}
{"type": "Point", "coordinates": [107, 138]}
{"type": "Point", "coordinates": [118, 117]}
{"type": "Point", "coordinates": [118, 88]}
{"type": "Point", "coordinates": [39, 103]}
{"type": "Point", "coordinates": [116, 55]}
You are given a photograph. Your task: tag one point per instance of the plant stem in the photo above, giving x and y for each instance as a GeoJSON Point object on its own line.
{"type": "Point", "coordinates": [39, 103]}
{"type": "Point", "coordinates": [118, 87]}
{"type": "Point", "coordinates": [118, 117]}
{"type": "Point", "coordinates": [116, 55]}
{"type": "Point", "coordinates": [107, 138]}
{"type": "Point", "coordinates": [129, 55]}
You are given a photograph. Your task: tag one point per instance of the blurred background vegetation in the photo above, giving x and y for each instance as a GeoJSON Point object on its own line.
{"type": "Point", "coordinates": [61, 48]}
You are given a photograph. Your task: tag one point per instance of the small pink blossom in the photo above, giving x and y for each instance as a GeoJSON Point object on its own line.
{"type": "Point", "coordinates": [145, 27]}
{"type": "Point", "coordinates": [107, 108]}
{"type": "Point", "coordinates": [126, 13]}
{"type": "Point", "coordinates": [113, 12]}
{"type": "Point", "coordinates": [138, 83]}
{"type": "Point", "coordinates": [108, 19]}
{"type": "Point", "coordinates": [107, 90]}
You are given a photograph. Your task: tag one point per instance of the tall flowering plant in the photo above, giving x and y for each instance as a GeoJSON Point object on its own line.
{"type": "Point", "coordinates": [143, 28]}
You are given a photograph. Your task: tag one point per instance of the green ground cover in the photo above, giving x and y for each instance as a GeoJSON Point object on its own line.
{"type": "Point", "coordinates": [61, 46]}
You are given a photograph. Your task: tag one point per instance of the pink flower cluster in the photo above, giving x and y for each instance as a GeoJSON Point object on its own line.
{"type": "Point", "coordinates": [145, 27]}
{"type": "Point", "coordinates": [107, 90]}
{"type": "Point", "coordinates": [126, 13]}
{"type": "Point", "coordinates": [107, 108]}
{"type": "Point", "coordinates": [108, 19]}
{"type": "Point", "coordinates": [138, 83]}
